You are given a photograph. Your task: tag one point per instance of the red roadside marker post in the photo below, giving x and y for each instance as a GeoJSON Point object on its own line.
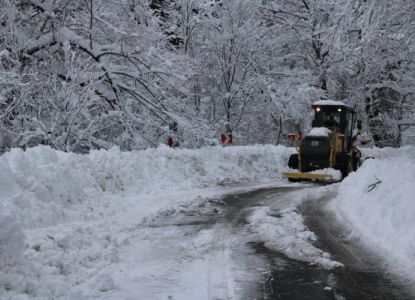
{"type": "Point", "coordinates": [226, 138]}
{"type": "Point", "coordinates": [173, 142]}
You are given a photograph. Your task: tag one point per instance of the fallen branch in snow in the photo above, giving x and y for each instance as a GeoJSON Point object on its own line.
{"type": "Point", "coordinates": [373, 185]}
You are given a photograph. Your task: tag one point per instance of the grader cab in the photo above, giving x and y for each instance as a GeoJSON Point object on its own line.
{"type": "Point", "coordinates": [330, 145]}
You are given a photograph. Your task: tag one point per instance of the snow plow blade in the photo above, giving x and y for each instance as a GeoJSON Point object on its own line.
{"type": "Point", "coordinates": [309, 176]}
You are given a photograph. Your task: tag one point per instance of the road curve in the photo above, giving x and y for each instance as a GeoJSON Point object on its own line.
{"type": "Point", "coordinates": [362, 277]}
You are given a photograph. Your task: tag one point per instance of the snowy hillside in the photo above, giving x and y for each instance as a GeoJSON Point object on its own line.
{"type": "Point", "coordinates": [65, 219]}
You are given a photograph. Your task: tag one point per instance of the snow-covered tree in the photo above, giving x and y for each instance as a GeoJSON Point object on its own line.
{"type": "Point", "coordinates": [79, 75]}
{"type": "Point", "coordinates": [373, 42]}
{"type": "Point", "coordinates": [126, 66]}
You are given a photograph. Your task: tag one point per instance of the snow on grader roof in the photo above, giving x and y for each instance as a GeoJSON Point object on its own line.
{"type": "Point", "coordinates": [331, 103]}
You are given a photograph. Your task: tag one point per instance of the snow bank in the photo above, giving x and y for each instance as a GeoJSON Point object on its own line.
{"type": "Point", "coordinates": [43, 189]}
{"type": "Point", "coordinates": [64, 203]}
{"type": "Point", "coordinates": [378, 202]}
{"type": "Point", "coordinates": [166, 169]}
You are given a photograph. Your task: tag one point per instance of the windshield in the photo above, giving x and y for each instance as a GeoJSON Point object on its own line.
{"type": "Point", "coordinates": [328, 119]}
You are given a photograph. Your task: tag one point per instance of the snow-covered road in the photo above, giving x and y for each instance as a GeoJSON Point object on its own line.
{"type": "Point", "coordinates": [206, 250]}
{"type": "Point", "coordinates": [272, 243]}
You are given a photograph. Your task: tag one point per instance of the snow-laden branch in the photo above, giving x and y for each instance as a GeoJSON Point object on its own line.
{"type": "Point", "coordinates": [390, 85]}
{"type": "Point", "coordinates": [97, 52]}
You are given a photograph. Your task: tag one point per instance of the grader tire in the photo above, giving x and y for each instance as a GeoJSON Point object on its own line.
{"type": "Point", "coordinates": [357, 160]}
{"type": "Point", "coordinates": [347, 167]}
{"type": "Point", "coordinates": [293, 162]}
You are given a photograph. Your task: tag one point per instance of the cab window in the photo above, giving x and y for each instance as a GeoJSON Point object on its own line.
{"type": "Point", "coordinates": [328, 119]}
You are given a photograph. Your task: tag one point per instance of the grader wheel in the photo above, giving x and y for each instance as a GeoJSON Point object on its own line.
{"type": "Point", "coordinates": [293, 161]}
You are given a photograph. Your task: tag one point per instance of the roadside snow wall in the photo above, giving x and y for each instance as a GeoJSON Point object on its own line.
{"type": "Point", "coordinates": [379, 203]}
{"type": "Point", "coordinates": [42, 187]}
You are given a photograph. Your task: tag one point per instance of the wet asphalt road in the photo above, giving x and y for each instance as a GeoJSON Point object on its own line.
{"type": "Point", "coordinates": [362, 277]}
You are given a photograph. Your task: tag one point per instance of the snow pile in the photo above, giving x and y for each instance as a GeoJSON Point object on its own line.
{"type": "Point", "coordinates": [329, 102]}
{"type": "Point", "coordinates": [319, 131]}
{"type": "Point", "coordinates": [70, 261]}
{"type": "Point", "coordinates": [12, 265]}
{"type": "Point", "coordinates": [378, 202]}
{"type": "Point", "coordinates": [284, 231]}
{"type": "Point", "coordinates": [336, 175]}
{"type": "Point", "coordinates": [63, 203]}
{"type": "Point", "coordinates": [84, 214]}
{"type": "Point", "coordinates": [41, 187]}
{"type": "Point", "coordinates": [42, 184]}
{"type": "Point", "coordinates": [166, 169]}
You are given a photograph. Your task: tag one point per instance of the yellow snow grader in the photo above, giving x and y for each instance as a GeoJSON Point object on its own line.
{"type": "Point", "coordinates": [329, 146]}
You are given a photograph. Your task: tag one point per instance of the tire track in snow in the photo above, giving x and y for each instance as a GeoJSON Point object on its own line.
{"type": "Point", "coordinates": [219, 286]}
{"type": "Point", "coordinates": [228, 236]}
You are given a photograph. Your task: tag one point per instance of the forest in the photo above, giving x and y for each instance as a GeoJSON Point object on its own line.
{"type": "Point", "coordinates": [78, 75]}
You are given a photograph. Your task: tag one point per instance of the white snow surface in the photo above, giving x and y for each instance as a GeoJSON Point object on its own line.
{"type": "Point", "coordinates": [73, 226]}
{"type": "Point", "coordinates": [329, 102]}
{"type": "Point", "coordinates": [80, 226]}
{"type": "Point", "coordinates": [283, 230]}
{"type": "Point", "coordinates": [335, 174]}
{"type": "Point", "coordinates": [319, 131]}
{"type": "Point", "coordinates": [378, 203]}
